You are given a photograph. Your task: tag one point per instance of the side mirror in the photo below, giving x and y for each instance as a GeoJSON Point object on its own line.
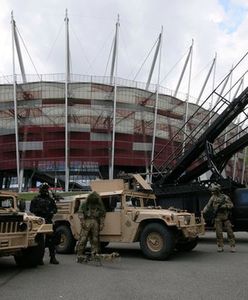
{"type": "Point", "coordinates": [21, 205]}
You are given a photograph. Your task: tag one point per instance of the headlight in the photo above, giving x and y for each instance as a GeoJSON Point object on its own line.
{"type": "Point", "coordinates": [184, 220]}
{"type": "Point", "coordinates": [22, 226]}
{"type": "Point", "coordinates": [40, 221]}
{"type": "Point", "coordinates": [187, 220]}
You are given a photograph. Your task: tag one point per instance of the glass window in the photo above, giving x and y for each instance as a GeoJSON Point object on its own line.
{"type": "Point", "coordinates": [242, 198]}
{"type": "Point", "coordinates": [6, 202]}
{"type": "Point", "coordinates": [149, 202]}
{"type": "Point", "coordinates": [133, 201]}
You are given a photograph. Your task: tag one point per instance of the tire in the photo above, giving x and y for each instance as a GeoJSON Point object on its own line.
{"type": "Point", "coordinates": [187, 246]}
{"type": "Point", "coordinates": [67, 241]}
{"type": "Point", "coordinates": [157, 241]}
{"type": "Point", "coordinates": [32, 256]}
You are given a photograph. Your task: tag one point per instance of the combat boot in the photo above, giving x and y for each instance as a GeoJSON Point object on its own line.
{"type": "Point", "coordinates": [81, 259]}
{"type": "Point", "coordinates": [53, 260]}
{"type": "Point", "coordinates": [220, 249]}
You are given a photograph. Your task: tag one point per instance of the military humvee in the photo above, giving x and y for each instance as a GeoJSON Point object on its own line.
{"type": "Point", "coordinates": [132, 216]}
{"type": "Point", "coordinates": [21, 234]}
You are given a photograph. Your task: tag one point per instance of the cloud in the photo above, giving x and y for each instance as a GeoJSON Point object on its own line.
{"type": "Point", "coordinates": [215, 26]}
{"type": "Point", "coordinates": [235, 14]}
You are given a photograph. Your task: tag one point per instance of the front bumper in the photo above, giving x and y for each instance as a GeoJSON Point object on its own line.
{"type": "Point", "coordinates": [46, 229]}
{"type": "Point", "coordinates": [192, 228]}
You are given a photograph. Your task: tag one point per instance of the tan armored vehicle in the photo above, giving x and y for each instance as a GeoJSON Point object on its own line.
{"type": "Point", "coordinates": [132, 216]}
{"type": "Point", "coordinates": [21, 234]}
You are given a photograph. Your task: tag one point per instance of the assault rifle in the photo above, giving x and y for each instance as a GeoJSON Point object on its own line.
{"type": "Point", "coordinates": [218, 208]}
{"type": "Point", "coordinates": [56, 197]}
{"type": "Point", "coordinates": [212, 212]}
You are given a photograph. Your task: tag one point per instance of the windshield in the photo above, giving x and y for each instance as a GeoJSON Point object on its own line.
{"type": "Point", "coordinates": [149, 202]}
{"type": "Point", "coordinates": [6, 202]}
{"type": "Point", "coordinates": [135, 201]}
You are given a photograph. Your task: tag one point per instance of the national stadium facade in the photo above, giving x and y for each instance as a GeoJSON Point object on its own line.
{"type": "Point", "coordinates": [98, 134]}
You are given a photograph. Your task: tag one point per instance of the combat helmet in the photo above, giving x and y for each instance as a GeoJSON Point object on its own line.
{"type": "Point", "coordinates": [93, 198]}
{"type": "Point", "coordinates": [44, 187]}
{"type": "Point", "coordinates": [215, 187]}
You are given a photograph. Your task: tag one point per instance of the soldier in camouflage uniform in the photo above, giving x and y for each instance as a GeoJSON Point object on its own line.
{"type": "Point", "coordinates": [221, 205]}
{"type": "Point", "coordinates": [92, 214]}
{"type": "Point", "coordinates": [43, 205]}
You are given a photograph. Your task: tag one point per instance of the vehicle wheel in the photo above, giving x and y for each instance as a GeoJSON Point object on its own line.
{"type": "Point", "coordinates": [157, 241]}
{"type": "Point", "coordinates": [31, 256]}
{"type": "Point", "coordinates": [67, 241]}
{"type": "Point", "coordinates": [187, 245]}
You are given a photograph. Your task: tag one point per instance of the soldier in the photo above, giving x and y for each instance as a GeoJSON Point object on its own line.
{"type": "Point", "coordinates": [221, 206]}
{"type": "Point", "coordinates": [92, 214]}
{"type": "Point", "coordinates": [43, 205]}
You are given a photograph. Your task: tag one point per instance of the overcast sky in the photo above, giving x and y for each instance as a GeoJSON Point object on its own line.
{"type": "Point", "coordinates": [216, 26]}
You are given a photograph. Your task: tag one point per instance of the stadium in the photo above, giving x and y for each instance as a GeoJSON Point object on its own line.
{"type": "Point", "coordinates": [68, 129]}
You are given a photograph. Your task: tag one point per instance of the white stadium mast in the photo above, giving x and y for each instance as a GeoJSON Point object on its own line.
{"type": "Point", "coordinates": [207, 78]}
{"type": "Point", "coordinates": [158, 50]}
{"type": "Point", "coordinates": [67, 80]}
{"type": "Point", "coordinates": [15, 44]}
{"type": "Point", "coordinates": [113, 76]}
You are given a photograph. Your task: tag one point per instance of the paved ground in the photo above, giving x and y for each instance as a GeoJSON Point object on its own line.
{"type": "Point", "coordinates": [200, 274]}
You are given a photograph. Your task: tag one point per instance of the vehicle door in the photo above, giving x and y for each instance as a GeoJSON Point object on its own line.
{"type": "Point", "coordinates": [240, 210]}
{"type": "Point", "coordinates": [112, 221]}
